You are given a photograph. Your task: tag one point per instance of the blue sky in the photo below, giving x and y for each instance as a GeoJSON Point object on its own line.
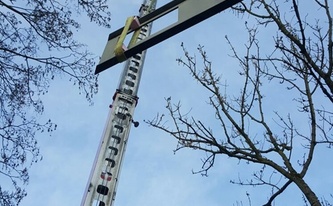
{"type": "Point", "coordinates": [151, 173]}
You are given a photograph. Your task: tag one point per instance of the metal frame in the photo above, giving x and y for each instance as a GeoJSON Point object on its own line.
{"type": "Point", "coordinates": [190, 12]}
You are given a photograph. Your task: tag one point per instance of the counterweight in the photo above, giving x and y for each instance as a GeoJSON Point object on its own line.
{"type": "Point", "coordinates": [104, 176]}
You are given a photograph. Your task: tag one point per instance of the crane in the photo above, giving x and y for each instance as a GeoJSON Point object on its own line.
{"type": "Point", "coordinates": [104, 176]}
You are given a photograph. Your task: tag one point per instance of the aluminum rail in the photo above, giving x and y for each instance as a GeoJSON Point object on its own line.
{"type": "Point", "coordinates": [104, 176]}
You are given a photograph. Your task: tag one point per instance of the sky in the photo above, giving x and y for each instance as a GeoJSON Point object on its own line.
{"type": "Point", "coordinates": [151, 173]}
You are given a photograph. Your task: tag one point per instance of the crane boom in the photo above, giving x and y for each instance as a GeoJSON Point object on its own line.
{"type": "Point", "coordinates": [104, 176]}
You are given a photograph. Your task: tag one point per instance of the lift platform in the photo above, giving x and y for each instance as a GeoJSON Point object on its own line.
{"type": "Point", "coordinates": [190, 12]}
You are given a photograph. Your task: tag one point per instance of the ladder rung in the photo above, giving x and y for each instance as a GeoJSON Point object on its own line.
{"type": "Point", "coordinates": [129, 83]}
{"type": "Point", "coordinates": [119, 127]}
{"type": "Point", "coordinates": [113, 163]}
{"type": "Point", "coordinates": [103, 190]}
{"type": "Point", "coordinates": [115, 150]}
{"type": "Point", "coordinates": [128, 91]}
{"type": "Point", "coordinates": [116, 138]}
{"type": "Point", "coordinates": [132, 76]}
{"type": "Point", "coordinates": [135, 62]}
{"type": "Point", "coordinates": [133, 69]}
{"type": "Point", "coordinates": [137, 57]}
{"type": "Point", "coordinates": [121, 116]}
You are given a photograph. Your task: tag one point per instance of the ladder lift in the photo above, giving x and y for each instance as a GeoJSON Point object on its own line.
{"type": "Point", "coordinates": [104, 176]}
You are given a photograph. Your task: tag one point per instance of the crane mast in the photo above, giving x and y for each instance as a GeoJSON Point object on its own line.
{"type": "Point", "coordinates": [104, 176]}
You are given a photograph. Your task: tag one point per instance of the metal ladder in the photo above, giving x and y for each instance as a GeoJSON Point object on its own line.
{"type": "Point", "coordinates": [104, 176]}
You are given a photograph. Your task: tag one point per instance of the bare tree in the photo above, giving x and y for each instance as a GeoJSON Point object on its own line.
{"type": "Point", "coordinates": [37, 44]}
{"type": "Point", "coordinates": [298, 62]}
